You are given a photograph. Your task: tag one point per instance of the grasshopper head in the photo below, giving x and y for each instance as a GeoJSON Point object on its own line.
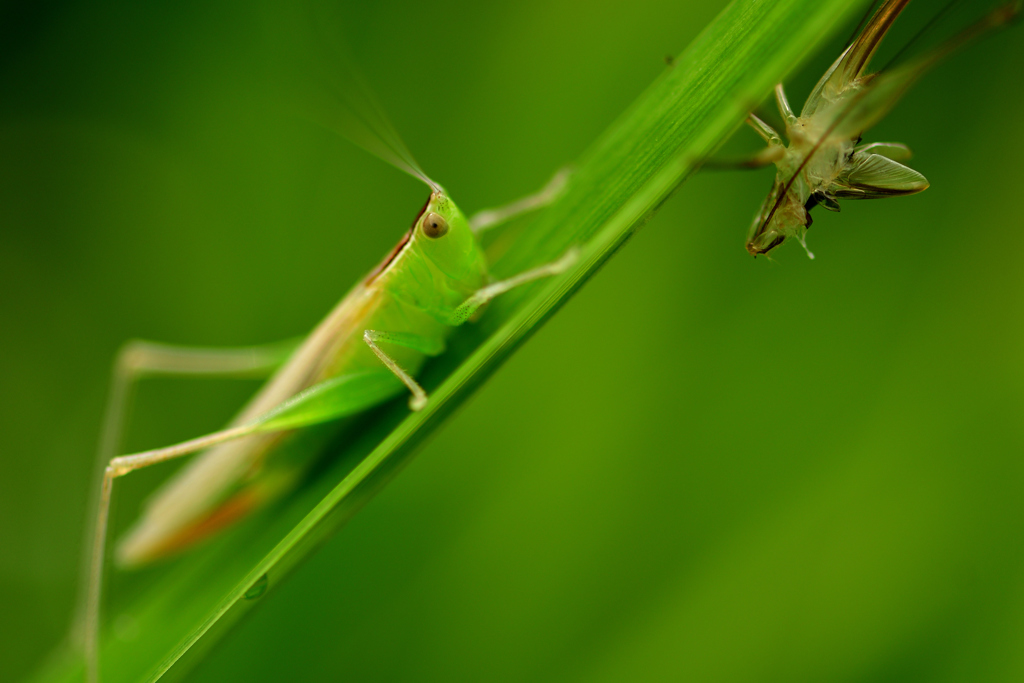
{"type": "Point", "coordinates": [777, 221]}
{"type": "Point", "coordinates": [443, 235]}
{"type": "Point", "coordinates": [765, 243]}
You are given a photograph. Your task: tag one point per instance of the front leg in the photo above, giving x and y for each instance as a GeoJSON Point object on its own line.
{"type": "Point", "coordinates": [430, 346]}
{"type": "Point", "coordinates": [482, 296]}
{"type": "Point", "coordinates": [766, 157]}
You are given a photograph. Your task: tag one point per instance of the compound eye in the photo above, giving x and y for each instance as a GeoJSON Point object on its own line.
{"type": "Point", "coordinates": [434, 226]}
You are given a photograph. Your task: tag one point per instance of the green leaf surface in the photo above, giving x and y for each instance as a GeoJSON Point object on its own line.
{"type": "Point", "coordinates": [618, 184]}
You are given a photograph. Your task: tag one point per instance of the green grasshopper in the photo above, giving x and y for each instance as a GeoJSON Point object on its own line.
{"type": "Point", "coordinates": [825, 161]}
{"type": "Point", "coordinates": [366, 351]}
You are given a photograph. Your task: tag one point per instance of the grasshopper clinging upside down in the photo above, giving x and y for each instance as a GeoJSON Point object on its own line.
{"type": "Point", "coordinates": [824, 161]}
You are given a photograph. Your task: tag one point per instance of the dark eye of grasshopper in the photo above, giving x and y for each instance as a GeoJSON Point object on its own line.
{"type": "Point", "coordinates": [434, 226]}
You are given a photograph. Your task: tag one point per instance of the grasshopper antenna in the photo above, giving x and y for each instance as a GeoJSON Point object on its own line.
{"type": "Point", "coordinates": [939, 16]}
{"type": "Point", "coordinates": [328, 89]}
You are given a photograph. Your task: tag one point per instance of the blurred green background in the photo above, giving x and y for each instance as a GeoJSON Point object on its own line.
{"type": "Point", "coordinates": [704, 467]}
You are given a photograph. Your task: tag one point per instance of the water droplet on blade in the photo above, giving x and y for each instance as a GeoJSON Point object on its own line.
{"type": "Point", "coordinates": [258, 588]}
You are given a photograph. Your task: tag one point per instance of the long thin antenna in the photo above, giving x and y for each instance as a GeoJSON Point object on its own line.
{"type": "Point", "coordinates": [924, 30]}
{"type": "Point", "coordinates": [326, 88]}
